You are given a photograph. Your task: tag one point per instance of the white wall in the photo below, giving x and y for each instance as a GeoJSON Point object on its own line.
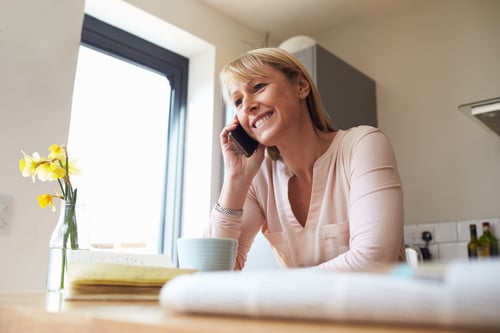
{"type": "Point", "coordinates": [38, 48]}
{"type": "Point", "coordinates": [38, 53]}
{"type": "Point", "coordinates": [427, 60]}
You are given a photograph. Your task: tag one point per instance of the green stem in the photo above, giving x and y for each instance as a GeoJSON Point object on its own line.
{"type": "Point", "coordinates": [71, 224]}
{"type": "Point", "coordinates": [62, 188]}
{"type": "Point", "coordinates": [63, 268]}
{"type": "Point", "coordinates": [71, 233]}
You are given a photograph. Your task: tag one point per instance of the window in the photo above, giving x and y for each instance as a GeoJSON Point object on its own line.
{"type": "Point", "coordinates": [127, 129]}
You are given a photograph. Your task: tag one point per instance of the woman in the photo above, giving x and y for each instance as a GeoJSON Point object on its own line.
{"type": "Point", "coordinates": [323, 198]}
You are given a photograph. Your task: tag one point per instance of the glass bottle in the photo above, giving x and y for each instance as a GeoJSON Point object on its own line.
{"type": "Point", "coordinates": [473, 245]}
{"type": "Point", "coordinates": [489, 241]}
{"type": "Point", "coordinates": [63, 237]}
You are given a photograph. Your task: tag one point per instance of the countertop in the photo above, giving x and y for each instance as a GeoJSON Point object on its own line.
{"type": "Point", "coordinates": [40, 311]}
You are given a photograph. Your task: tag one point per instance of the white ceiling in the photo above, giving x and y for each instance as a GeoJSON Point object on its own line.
{"type": "Point", "coordinates": [286, 18]}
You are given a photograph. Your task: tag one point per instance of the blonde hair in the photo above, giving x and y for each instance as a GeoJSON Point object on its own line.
{"type": "Point", "coordinates": [250, 65]}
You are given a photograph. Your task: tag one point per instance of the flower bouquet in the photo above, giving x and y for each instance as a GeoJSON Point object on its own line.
{"type": "Point", "coordinates": [56, 167]}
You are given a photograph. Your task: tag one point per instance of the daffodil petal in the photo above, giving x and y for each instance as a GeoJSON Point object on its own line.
{"type": "Point", "coordinates": [45, 200]}
{"type": "Point", "coordinates": [57, 152]}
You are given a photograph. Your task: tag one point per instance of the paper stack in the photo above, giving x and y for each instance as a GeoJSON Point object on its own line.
{"type": "Point", "coordinates": [117, 276]}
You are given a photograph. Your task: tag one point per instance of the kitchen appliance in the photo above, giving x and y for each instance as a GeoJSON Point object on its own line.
{"type": "Point", "coordinates": [486, 113]}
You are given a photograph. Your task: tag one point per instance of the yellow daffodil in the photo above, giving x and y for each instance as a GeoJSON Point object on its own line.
{"type": "Point", "coordinates": [72, 168]}
{"type": "Point", "coordinates": [57, 152]}
{"type": "Point", "coordinates": [29, 164]}
{"type": "Point", "coordinates": [57, 166]}
{"type": "Point", "coordinates": [45, 200]}
{"type": "Point", "coordinates": [50, 171]}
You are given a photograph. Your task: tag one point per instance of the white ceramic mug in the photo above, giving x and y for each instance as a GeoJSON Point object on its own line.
{"type": "Point", "coordinates": [207, 254]}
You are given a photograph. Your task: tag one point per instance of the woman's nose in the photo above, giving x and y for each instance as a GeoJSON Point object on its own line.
{"type": "Point", "coordinates": [250, 104]}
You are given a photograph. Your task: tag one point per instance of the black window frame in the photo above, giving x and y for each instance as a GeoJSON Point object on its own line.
{"type": "Point", "coordinates": [121, 44]}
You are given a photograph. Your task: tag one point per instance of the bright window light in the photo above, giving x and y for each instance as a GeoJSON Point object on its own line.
{"type": "Point", "coordinates": [118, 131]}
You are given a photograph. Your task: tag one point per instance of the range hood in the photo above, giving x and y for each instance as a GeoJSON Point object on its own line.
{"type": "Point", "coordinates": [486, 113]}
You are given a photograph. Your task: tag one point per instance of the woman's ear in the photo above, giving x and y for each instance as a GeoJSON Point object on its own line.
{"type": "Point", "coordinates": [303, 85]}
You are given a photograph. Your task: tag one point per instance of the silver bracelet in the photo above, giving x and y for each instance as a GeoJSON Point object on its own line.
{"type": "Point", "coordinates": [227, 211]}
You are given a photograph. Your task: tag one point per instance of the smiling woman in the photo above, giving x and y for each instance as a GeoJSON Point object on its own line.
{"type": "Point", "coordinates": [325, 199]}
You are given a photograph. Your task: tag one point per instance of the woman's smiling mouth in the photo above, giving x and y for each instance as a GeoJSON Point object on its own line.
{"type": "Point", "coordinates": [262, 120]}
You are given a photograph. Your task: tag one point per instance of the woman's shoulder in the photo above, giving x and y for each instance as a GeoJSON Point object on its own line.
{"type": "Point", "coordinates": [359, 131]}
{"type": "Point", "coordinates": [351, 139]}
{"type": "Point", "coordinates": [353, 135]}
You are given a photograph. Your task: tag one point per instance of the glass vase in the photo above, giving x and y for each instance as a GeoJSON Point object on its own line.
{"type": "Point", "coordinates": [63, 238]}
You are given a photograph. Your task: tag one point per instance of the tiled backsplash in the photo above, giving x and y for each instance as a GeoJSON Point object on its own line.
{"type": "Point", "coordinates": [449, 239]}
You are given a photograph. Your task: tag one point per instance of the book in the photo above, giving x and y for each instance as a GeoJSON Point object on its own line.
{"type": "Point", "coordinates": [94, 275]}
{"type": "Point", "coordinates": [446, 295]}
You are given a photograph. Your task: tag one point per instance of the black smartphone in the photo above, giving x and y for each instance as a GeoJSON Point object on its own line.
{"type": "Point", "coordinates": [244, 141]}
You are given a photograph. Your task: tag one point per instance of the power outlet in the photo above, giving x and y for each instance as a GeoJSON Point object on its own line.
{"type": "Point", "coordinates": [413, 234]}
{"type": "Point", "coordinates": [427, 229]}
{"type": "Point", "coordinates": [5, 210]}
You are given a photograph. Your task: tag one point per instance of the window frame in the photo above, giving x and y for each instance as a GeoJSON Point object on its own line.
{"type": "Point", "coordinates": [116, 42]}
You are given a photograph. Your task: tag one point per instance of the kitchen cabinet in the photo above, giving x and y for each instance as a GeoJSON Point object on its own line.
{"type": "Point", "coordinates": [348, 95]}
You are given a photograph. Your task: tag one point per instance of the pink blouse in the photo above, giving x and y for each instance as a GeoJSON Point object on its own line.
{"type": "Point", "coordinates": [355, 218]}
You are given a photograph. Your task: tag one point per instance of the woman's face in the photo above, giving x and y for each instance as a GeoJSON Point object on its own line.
{"type": "Point", "coordinates": [269, 107]}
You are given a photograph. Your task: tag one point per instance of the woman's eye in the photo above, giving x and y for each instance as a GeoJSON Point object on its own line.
{"type": "Point", "coordinates": [237, 102]}
{"type": "Point", "coordinates": [258, 86]}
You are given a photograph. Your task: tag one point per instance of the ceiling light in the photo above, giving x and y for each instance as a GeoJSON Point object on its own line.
{"type": "Point", "coordinates": [297, 43]}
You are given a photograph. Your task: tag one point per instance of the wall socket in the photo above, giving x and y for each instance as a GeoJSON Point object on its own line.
{"type": "Point", "coordinates": [413, 235]}
{"type": "Point", "coordinates": [5, 213]}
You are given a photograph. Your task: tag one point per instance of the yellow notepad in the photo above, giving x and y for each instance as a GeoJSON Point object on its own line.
{"type": "Point", "coordinates": [109, 276]}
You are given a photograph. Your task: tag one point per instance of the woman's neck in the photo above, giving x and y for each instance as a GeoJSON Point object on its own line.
{"type": "Point", "coordinates": [301, 153]}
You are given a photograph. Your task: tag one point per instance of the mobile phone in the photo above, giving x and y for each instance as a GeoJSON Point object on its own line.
{"type": "Point", "coordinates": [244, 141]}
